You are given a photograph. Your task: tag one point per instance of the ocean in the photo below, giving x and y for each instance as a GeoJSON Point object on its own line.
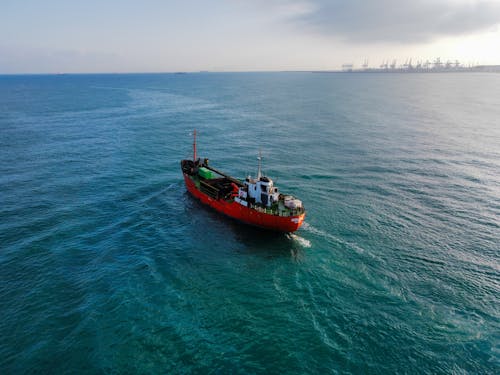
{"type": "Point", "coordinates": [107, 265]}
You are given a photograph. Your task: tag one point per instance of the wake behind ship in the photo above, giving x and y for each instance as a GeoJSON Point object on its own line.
{"type": "Point", "coordinates": [255, 202]}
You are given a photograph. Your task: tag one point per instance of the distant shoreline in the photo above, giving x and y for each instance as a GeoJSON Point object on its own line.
{"type": "Point", "coordinates": [474, 69]}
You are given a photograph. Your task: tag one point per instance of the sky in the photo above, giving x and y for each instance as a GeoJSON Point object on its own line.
{"type": "Point", "coordinates": [56, 36]}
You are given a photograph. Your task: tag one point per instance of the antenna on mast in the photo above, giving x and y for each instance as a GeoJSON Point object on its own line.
{"type": "Point", "coordinates": [194, 145]}
{"type": "Point", "coordinates": [259, 170]}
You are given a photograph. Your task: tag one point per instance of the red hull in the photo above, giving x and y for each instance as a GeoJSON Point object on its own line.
{"type": "Point", "coordinates": [245, 214]}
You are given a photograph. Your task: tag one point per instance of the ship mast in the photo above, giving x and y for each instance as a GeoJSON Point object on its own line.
{"type": "Point", "coordinates": [259, 170]}
{"type": "Point", "coordinates": [194, 145]}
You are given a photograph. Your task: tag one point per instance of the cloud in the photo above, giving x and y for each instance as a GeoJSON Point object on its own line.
{"type": "Point", "coordinates": [395, 21]}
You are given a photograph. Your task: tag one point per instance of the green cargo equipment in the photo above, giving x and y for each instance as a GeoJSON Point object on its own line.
{"type": "Point", "coordinates": [205, 173]}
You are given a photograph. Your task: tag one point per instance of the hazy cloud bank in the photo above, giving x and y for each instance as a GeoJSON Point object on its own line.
{"type": "Point", "coordinates": [394, 21]}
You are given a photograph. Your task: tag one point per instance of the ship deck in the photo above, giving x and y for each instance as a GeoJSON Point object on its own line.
{"type": "Point", "coordinates": [222, 188]}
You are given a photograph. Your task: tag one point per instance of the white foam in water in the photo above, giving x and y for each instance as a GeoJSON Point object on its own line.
{"type": "Point", "coordinates": [322, 233]}
{"type": "Point", "coordinates": [302, 241]}
{"type": "Point", "coordinates": [171, 186]}
{"type": "Point", "coordinates": [319, 232]}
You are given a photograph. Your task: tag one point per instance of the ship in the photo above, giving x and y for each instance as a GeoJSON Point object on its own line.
{"type": "Point", "coordinates": [253, 201]}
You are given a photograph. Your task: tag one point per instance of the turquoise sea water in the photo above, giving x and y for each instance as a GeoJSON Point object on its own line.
{"type": "Point", "coordinates": [108, 265]}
